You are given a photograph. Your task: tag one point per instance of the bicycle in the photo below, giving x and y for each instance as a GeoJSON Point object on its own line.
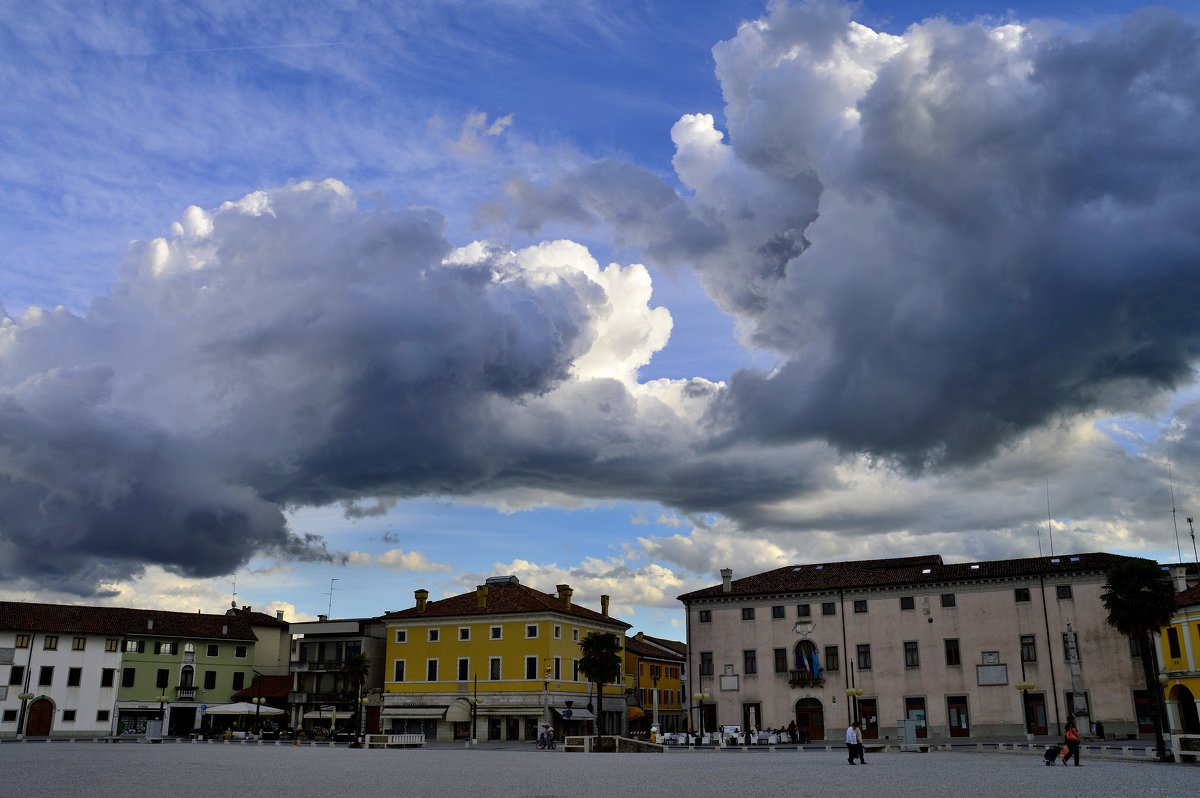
{"type": "Point", "coordinates": [545, 743]}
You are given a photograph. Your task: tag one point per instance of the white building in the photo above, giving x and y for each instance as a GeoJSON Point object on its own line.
{"type": "Point", "coordinates": [948, 645]}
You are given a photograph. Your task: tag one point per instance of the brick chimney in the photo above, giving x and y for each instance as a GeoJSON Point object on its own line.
{"type": "Point", "coordinates": [565, 592]}
{"type": "Point", "coordinates": [604, 606]}
{"type": "Point", "coordinates": [422, 596]}
{"type": "Point", "coordinates": [481, 592]}
{"type": "Point", "coordinates": [726, 579]}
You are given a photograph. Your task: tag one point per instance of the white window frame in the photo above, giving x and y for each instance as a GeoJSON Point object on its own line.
{"type": "Point", "coordinates": [557, 632]}
{"type": "Point", "coordinates": [464, 633]}
{"type": "Point", "coordinates": [496, 633]}
{"type": "Point", "coordinates": [534, 627]}
{"type": "Point", "coordinates": [575, 634]}
{"type": "Point", "coordinates": [536, 667]}
{"type": "Point", "coordinates": [437, 670]}
{"type": "Point", "coordinates": [433, 634]}
{"type": "Point", "coordinates": [458, 669]}
{"type": "Point", "coordinates": [499, 670]}
{"type": "Point", "coordinates": [403, 666]}
{"type": "Point", "coordinates": [558, 668]}
{"type": "Point", "coordinates": [401, 636]}
{"type": "Point", "coordinates": [574, 670]}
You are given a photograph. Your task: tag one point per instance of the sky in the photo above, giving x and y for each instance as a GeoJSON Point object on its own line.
{"type": "Point", "coordinates": [308, 306]}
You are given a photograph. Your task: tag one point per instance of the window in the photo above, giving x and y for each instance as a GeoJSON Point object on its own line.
{"type": "Point", "coordinates": [10, 716]}
{"type": "Point", "coordinates": [747, 613]}
{"type": "Point", "coordinates": [111, 644]}
{"type": "Point", "coordinates": [1028, 649]}
{"type": "Point", "coordinates": [953, 655]}
{"type": "Point", "coordinates": [864, 656]}
{"type": "Point", "coordinates": [803, 611]}
{"type": "Point", "coordinates": [832, 661]}
{"type": "Point", "coordinates": [575, 635]}
{"type": "Point", "coordinates": [398, 670]}
{"type": "Point", "coordinates": [531, 667]}
{"type": "Point", "coordinates": [777, 612]}
{"type": "Point", "coordinates": [860, 605]}
{"type": "Point", "coordinates": [161, 676]}
{"type": "Point", "coordinates": [17, 675]}
{"type": "Point", "coordinates": [557, 632]}
{"type": "Point", "coordinates": [431, 674]}
{"type": "Point", "coordinates": [213, 650]}
{"type": "Point", "coordinates": [239, 652]}
{"type": "Point", "coordinates": [74, 676]}
{"type": "Point", "coordinates": [46, 676]}
{"type": "Point", "coordinates": [210, 680]}
{"type": "Point", "coordinates": [128, 675]}
{"type": "Point", "coordinates": [1173, 643]}
{"type": "Point", "coordinates": [1135, 647]}
{"type": "Point", "coordinates": [239, 680]}
{"type": "Point", "coordinates": [908, 603]}
{"type": "Point", "coordinates": [828, 608]}
{"type": "Point", "coordinates": [68, 716]}
{"type": "Point", "coordinates": [401, 635]}
{"type": "Point", "coordinates": [706, 663]}
{"type": "Point", "coordinates": [1062, 592]}
{"type": "Point", "coordinates": [912, 658]}
{"type": "Point", "coordinates": [781, 660]}
{"type": "Point", "coordinates": [705, 616]}
{"type": "Point", "coordinates": [948, 600]}
{"type": "Point", "coordinates": [464, 669]}
{"type": "Point", "coordinates": [50, 642]}
{"type": "Point", "coordinates": [78, 643]}
{"type": "Point", "coordinates": [496, 632]}
{"type": "Point", "coordinates": [107, 677]}
{"type": "Point", "coordinates": [531, 631]}
{"type": "Point", "coordinates": [750, 661]}
{"type": "Point", "coordinates": [1021, 594]}
{"type": "Point", "coordinates": [22, 641]}
{"type": "Point", "coordinates": [102, 716]}
{"type": "Point", "coordinates": [575, 670]}
{"type": "Point", "coordinates": [434, 635]}
{"type": "Point", "coordinates": [163, 648]}
{"type": "Point", "coordinates": [558, 667]}
{"type": "Point", "coordinates": [494, 668]}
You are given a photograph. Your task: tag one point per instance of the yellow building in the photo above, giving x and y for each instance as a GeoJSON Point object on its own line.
{"type": "Point", "coordinates": [653, 668]}
{"type": "Point", "coordinates": [507, 651]}
{"type": "Point", "coordinates": [1178, 650]}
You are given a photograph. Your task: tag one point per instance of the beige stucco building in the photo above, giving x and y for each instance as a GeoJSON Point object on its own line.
{"type": "Point", "coordinates": [948, 645]}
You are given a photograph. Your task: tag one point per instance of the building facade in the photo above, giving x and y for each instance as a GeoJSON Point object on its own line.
{"type": "Point", "coordinates": [495, 664]}
{"type": "Point", "coordinates": [989, 649]}
{"type": "Point", "coordinates": [653, 668]}
{"type": "Point", "coordinates": [1178, 651]}
{"type": "Point", "coordinates": [323, 695]}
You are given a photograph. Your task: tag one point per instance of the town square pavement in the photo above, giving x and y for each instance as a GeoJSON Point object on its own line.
{"type": "Point", "coordinates": [182, 770]}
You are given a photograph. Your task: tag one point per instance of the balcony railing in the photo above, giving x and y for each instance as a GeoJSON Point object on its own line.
{"type": "Point", "coordinates": [799, 678]}
{"type": "Point", "coordinates": [317, 665]}
{"type": "Point", "coordinates": [297, 698]}
{"type": "Point", "coordinates": [185, 693]}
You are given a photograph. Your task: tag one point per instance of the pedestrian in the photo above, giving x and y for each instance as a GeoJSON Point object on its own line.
{"type": "Point", "coordinates": [791, 730]}
{"type": "Point", "coordinates": [854, 743]}
{"type": "Point", "coordinates": [1072, 740]}
{"type": "Point", "coordinates": [858, 746]}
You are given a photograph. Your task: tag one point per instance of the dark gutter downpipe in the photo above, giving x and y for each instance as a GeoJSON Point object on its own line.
{"type": "Point", "coordinates": [1050, 656]}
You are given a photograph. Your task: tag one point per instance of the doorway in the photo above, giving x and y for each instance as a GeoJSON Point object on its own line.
{"type": "Point", "coordinates": [1035, 713]}
{"type": "Point", "coordinates": [956, 712]}
{"type": "Point", "coordinates": [41, 717]}
{"type": "Point", "coordinates": [1189, 718]}
{"type": "Point", "coordinates": [181, 721]}
{"type": "Point", "coordinates": [868, 716]}
{"type": "Point", "coordinates": [914, 710]}
{"type": "Point", "coordinates": [810, 719]}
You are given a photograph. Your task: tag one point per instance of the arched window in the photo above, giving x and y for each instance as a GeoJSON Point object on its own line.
{"type": "Point", "coordinates": [187, 676]}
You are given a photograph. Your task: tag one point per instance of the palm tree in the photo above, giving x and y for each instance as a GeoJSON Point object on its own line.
{"type": "Point", "coordinates": [355, 669]}
{"type": "Point", "coordinates": [1140, 601]}
{"type": "Point", "coordinates": [600, 664]}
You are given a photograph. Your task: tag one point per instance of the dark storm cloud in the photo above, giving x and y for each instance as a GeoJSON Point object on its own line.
{"type": "Point", "coordinates": [953, 236]}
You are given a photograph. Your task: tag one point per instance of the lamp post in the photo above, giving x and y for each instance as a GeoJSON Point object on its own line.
{"type": "Point", "coordinates": [1024, 687]}
{"type": "Point", "coordinates": [25, 699]}
{"type": "Point", "coordinates": [546, 720]}
{"type": "Point", "coordinates": [654, 679]}
{"type": "Point", "coordinates": [700, 697]}
{"type": "Point", "coordinates": [258, 701]}
{"type": "Point", "coordinates": [853, 693]}
{"type": "Point", "coordinates": [362, 716]}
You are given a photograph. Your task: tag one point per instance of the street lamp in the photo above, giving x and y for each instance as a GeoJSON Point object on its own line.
{"type": "Point", "coordinates": [1024, 687]}
{"type": "Point", "coordinates": [257, 701]}
{"type": "Point", "coordinates": [853, 693]}
{"type": "Point", "coordinates": [654, 679]}
{"type": "Point", "coordinates": [25, 698]}
{"type": "Point", "coordinates": [700, 698]}
{"type": "Point", "coordinates": [362, 716]}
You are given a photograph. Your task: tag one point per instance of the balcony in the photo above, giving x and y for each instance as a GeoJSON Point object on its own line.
{"type": "Point", "coordinates": [799, 678]}
{"type": "Point", "coordinates": [297, 698]}
{"type": "Point", "coordinates": [185, 693]}
{"type": "Point", "coordinates": [302, 666]}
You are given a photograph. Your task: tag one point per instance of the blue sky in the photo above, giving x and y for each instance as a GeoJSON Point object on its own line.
{"type": "Point", "coordinates": [953, 326]}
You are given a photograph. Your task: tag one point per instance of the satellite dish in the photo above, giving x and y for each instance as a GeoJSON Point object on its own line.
{"type": "Point", "coordinates": [233, 604]}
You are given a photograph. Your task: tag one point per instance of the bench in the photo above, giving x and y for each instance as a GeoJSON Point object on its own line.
{"type": "Point", "coordinates": [395, 740]}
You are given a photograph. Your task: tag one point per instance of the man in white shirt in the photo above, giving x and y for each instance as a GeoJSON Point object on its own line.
{"type": "Point", "coordinates": [852, 742]}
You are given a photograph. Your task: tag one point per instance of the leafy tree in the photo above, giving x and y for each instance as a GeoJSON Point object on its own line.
{"type": "Point", "coordinates": [1140, 601]}
{"type": "Point", "coordinates": [355, 670]}
{"type": "Point", "coordinates": [600, 664]}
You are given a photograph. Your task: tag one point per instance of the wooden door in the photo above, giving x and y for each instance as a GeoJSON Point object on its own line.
{"type": "Point", "coordinates": [958, 719]}
{"type": "Point", "coordinates": [1035, 713]}
{"type": "Point", "coordinates": [41, 716]}
{"type": "Point", "coordinates": [810, 718]}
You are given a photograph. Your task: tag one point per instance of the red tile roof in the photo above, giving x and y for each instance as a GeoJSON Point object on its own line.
{"type": "Point", "coordinates": [120, 621]}
{"type": "Point", "coordinates": [677, 646]}
{"type": "Point", "coordinates": [504, 599]}
{"type": "Point", "coordinates": [925, 569]}
{"type": "Point", "coordinates": [647, 651]}
{"type": "Point", "coordinates": [257, 618]}
{"type": "Point", "coordinates": [1189, 597]}
{"type": "Point", "coordinates": [265, 687]}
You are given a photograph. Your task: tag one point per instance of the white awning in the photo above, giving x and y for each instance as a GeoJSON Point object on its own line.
{"type": "Point", "coordinates": [459, 711]}
{"type": "Point", "coordinates": [576, 713]}
{"type": "Point", "coordinates": [425, 712]}
{"type": "Point", "coordinates": [523, 711]}
{"type": "Point", "coordinates": [328, 714]}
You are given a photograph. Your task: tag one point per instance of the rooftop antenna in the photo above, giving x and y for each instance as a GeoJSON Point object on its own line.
{"type": "Point", "coordinates": [329, 611]}
{"type": "Point", "coordinates": [1174, 520]}
{"type": "Point", "coordinates": [1192, 529]}
{"type": "Point", "coordinates": [235, 588]}
{"type": "Point", "coordinates": [1049, 523]}
{"type": "Point", "coordinates": [1038, 529]}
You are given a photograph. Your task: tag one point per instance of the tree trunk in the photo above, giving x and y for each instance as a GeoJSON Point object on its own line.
{"type": "Point", "coordinates": [1150, 672]}
{"type": "Point", "coordinates": [598, 690]}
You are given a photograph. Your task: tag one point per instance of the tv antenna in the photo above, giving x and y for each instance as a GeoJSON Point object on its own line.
{"type": "Point", "coordinates": [329, 611]}
{"type": "Point", "coordinates": [1174, 519]}
{"type": "Point", "coordinates": [1049, 523]}
{"type": "Point", "coordinates": [1192, 529]}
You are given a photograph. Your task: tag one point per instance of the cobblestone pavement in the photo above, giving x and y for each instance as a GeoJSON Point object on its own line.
{"type": "Point", "coordinates": [133, 770]}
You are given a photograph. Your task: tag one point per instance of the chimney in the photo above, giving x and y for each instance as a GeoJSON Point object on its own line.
{"type": "Point", "coordinates": [279, 615]}
{"type": "Point", "coordinates": [640, 636]}
{"type": "Point", "coordinates": [422, 596]}
{"type": "Point", "coordinates": [322, 618]}
{"type": "Point", "coordinates": [726, 579]}
{"type": "Point", "coordinates": [565, 592]}
{"type": "Point", "coordinates": [481, 592]}
{"type": "Point", "coordinates": [604, 606]}
{"type": "Point", "coordinates": [245, 608]}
